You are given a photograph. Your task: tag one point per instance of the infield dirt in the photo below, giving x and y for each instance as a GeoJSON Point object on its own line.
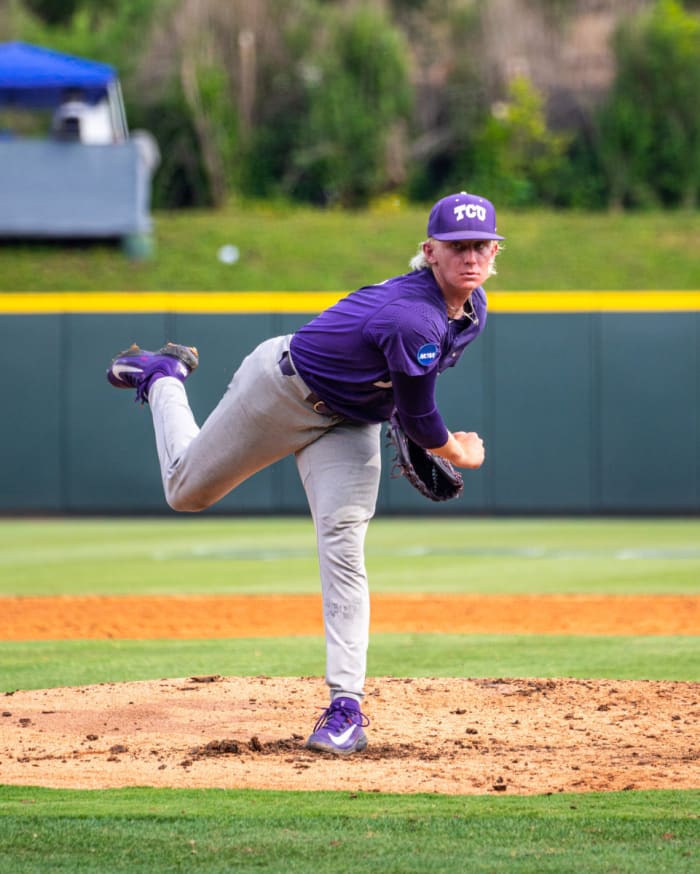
{"type": "Point", "coordinates": [472, 736]}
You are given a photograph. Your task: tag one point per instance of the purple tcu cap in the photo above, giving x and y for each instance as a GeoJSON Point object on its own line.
{"type": "Point", "coordinates": [463, 217]}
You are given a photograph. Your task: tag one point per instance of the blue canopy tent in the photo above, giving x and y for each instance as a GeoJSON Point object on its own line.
{"type": "Point", "coordinates": [70, 189]}
{"type": "Point", "coordinates": [33, 77]}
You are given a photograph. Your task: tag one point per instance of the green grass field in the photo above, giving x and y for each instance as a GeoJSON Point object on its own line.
{"type": "Point", "coordinates": [145, 831]}
{"type": "Point", "coordinates": [215, 830]}
{"type": "Point", "coordinates": [200, 554]}
{"type": "Point", "coordinates": [287, 248]}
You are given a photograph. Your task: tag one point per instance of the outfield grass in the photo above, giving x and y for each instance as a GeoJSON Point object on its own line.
{"type": "Point", "coordinates": [232, 555]}
{"type": "Point", "coordinates": [215, 830]}
{"type": "Point", "coordinates": [48, 664]}
{"type": "Point", "coordinates": [286, 248]}
{"type": "Point", "coordinates": [144, 830]}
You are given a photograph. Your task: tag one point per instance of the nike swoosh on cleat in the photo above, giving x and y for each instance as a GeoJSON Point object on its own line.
{"type": "Point", "coordinates": [119, 369]}
{"type": "Point", "coordinates": [342, 738]}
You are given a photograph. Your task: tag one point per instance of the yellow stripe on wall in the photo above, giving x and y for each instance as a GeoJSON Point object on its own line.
{"type": "Point", "coordinates": [16, 303]}
{"type": "Point", "coordinates": [594, 301]}
{"type": "Point", "coordinates": [167, 301]}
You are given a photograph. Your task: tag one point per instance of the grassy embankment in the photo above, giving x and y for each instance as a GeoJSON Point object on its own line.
{"type": "Point", "coordinates": [290, 249]}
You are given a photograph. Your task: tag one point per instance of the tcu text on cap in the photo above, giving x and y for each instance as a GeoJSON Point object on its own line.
{"type": "Point", "coordinates": [469, 210]}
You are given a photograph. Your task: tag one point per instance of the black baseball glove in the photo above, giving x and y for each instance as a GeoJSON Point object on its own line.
{"type": "Point", "coordinates": [432, 475]}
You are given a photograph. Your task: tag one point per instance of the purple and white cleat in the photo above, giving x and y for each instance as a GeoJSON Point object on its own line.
{"type": "Point", "coordinates": [339, 729]}
{"type": "Point", "coordinates": [138, 368]}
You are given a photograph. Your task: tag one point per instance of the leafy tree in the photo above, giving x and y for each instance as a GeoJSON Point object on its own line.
{"type": "Point", "coordinates": [324, 109]}
{"type": "Point", "coordinates": [60, 12]}
{"type": "Point", "coordinates": [113, 31]}
{"type": "Point", "coordinates": [650, 125]}
{"type": "Point", "coordinates": [285, 65]}
{"type": "Point", "coordinates": [357, 91]}
{"type": "Point", "coordinates": [54, 12]}
{"type": "Point", "coordinates": [515, 157]}
{"type": "Point", "coordinates": [451, 94]}
{"type": "Point", "coordinates": [181, 179]}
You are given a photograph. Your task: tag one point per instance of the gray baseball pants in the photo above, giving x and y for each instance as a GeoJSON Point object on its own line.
{"type": "Point", "coordinates": [263, 417]}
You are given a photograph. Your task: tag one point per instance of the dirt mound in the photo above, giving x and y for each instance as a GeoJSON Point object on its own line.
{"type": "Point", "coordinates": [471, 736]}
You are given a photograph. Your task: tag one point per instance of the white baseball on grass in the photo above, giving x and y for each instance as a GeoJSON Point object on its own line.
{"type": "Point", "coordinates": [228, 254]}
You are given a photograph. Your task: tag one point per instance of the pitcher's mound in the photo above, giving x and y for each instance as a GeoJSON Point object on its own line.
{"type": "Point", "coordinates": [513, 736]}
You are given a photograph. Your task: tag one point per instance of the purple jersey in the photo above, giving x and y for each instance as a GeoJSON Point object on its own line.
{"type": "Point", "coordinates": [382, 347]}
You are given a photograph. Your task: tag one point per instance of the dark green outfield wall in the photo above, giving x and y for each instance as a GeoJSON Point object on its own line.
{"type": "Point", "coordinates": [581, 413]}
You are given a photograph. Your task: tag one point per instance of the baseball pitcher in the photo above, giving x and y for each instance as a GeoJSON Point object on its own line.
{"type": "Point", "coordinates": [322, 395]}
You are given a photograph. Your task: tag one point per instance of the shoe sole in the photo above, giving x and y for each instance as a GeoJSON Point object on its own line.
{"type": "Point", "coordinates": [187, 354]}
{"type": "Point", "coordinates": [134, 349]}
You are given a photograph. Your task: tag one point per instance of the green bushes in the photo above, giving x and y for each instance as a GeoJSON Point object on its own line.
{"type": "Point", "coordinates": [515, 157]}
{"type": "Point", "coordinates": [650, 125]}
{"type": "Point", "coordinates": [357, 93]}
{"type": "Point", "coordinates": [337, 103]}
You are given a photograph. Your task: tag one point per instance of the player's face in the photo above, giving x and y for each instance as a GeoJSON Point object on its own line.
{"type": "Point", "coordinates": [460, 266]}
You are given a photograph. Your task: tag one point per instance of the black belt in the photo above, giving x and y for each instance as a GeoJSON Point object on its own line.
{"type": "Point", "coordinates": [319, 405]}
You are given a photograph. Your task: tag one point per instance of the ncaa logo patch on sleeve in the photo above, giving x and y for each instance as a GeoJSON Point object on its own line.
{"type": "Point", "coordinates": [427, 354]}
